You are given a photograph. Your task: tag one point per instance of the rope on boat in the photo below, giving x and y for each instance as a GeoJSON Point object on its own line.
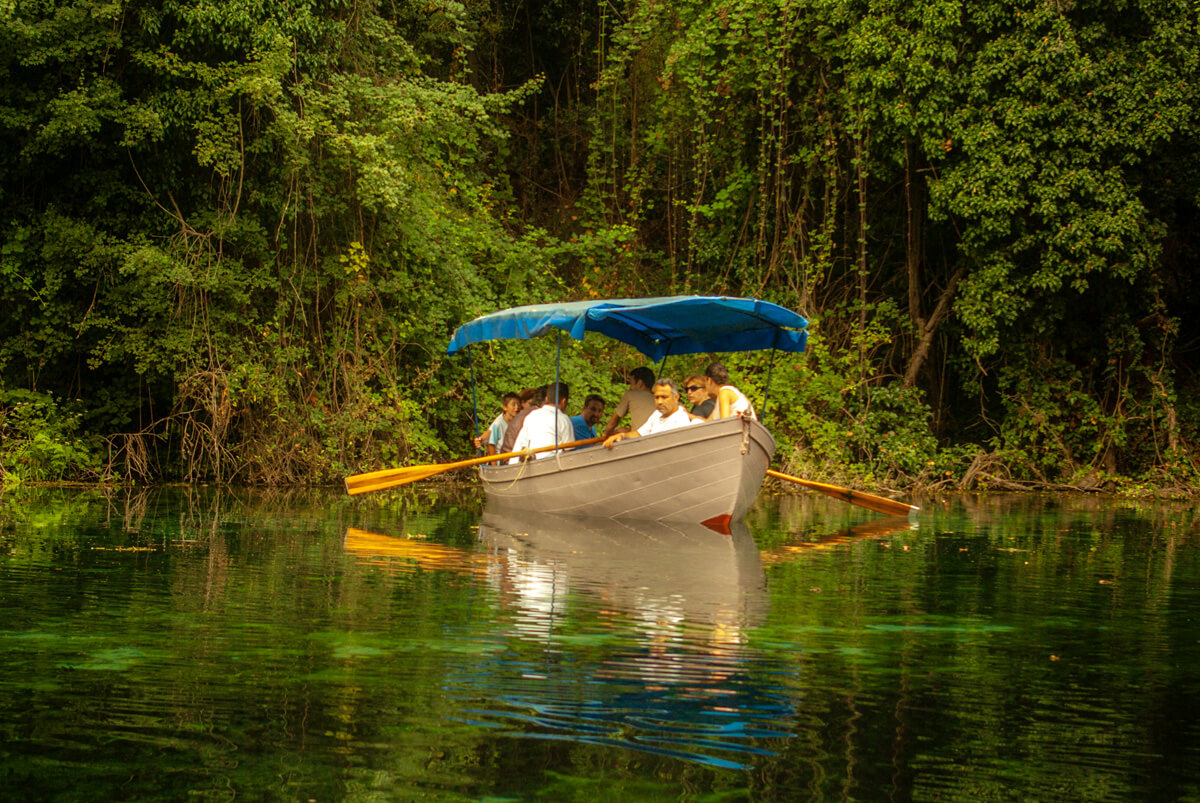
{"type": "Point", "coordinates": [526, 457]}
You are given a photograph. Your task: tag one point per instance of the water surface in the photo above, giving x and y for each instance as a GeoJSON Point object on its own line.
{"type": "Point", "coordinates": [192, 644]}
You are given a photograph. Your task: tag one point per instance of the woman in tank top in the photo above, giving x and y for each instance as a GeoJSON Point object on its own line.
{"type": "Point", "coordinates": [730, 400]}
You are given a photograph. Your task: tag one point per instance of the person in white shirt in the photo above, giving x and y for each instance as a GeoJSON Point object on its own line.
{"type": "Point", "coordinates": [667, 414]}
{"type": "Point", "coordinates": [548, 425]}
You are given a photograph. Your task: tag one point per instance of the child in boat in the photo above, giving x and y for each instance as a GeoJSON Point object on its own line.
{"type": "Point", "coordinates": [510, 405]}
{"type": "Point", "coordinates": [531, 399]}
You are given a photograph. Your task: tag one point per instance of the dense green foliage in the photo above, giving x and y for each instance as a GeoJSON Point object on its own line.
{"type": "Point", "coordinates": [234, 238]}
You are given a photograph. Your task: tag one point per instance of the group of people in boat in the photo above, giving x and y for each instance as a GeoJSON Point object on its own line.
{"type": "Point", "coordinates": [536, 417]}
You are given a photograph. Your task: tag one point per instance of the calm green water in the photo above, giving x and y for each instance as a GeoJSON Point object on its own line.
{"type": "Point", "coordinates": [203, 645]}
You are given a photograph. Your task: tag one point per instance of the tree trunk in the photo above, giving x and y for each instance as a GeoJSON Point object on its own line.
{"type": "Point", "coordinates": [912, 241]}
{"type": "Point", "coordinates": [860, 153]}
{"type": "Point", "coordinates": [929, 329]}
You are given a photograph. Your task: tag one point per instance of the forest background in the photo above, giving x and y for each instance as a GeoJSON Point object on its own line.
{"type": "Point", "coordinates": [235, 236]}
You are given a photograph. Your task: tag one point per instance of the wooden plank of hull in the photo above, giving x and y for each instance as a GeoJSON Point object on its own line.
{"type": "Point", "coordinates": [693, 474]}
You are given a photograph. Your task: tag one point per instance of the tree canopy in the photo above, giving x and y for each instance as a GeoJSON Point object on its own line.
{"type": "Point", "coordinates": [234, 238]}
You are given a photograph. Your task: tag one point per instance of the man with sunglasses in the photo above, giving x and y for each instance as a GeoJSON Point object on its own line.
{"type": "Point", "coordinates": [697, 393]}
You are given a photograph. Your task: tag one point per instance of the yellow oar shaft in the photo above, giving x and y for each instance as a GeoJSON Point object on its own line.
{"type": "Point", "coordinates": [391, 477]}
{"type": "Point", "coordinates": [879, 504]}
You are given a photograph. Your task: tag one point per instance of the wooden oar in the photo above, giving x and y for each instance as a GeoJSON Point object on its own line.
{"type": "Point", "coordinates": [879, 504]}
{"type": "Point", "coordinates": [391, 477]}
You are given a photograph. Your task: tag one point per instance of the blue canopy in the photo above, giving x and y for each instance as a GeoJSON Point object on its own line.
{"type": "Point", "coordinates": [654, 326]}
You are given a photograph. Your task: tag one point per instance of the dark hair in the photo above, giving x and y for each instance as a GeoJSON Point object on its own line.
{"type": "Point", "coordinates": [528, 394]}
{"type": "Point", "coordinates": [564, 392]}
{"type": "Point", "coordinates": [668, 382]}
{"type": "Point", "coordinates": [593, 397]}
{"type": "Point", "coordinates": [508, 397]}
{"type": "Point", "coordinates": [643, 375]}
{"type": "Point", "coordinates": [717, 373]}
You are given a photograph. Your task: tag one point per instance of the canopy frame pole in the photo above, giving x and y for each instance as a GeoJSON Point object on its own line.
{"type": "Point", "coordinates": [557, 375]}
{"type": "Point", "coordinates": [770, 372]}
{"type": "Point", "coordinates": [474, 398]}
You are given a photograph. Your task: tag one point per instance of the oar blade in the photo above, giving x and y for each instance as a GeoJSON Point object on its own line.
{"type": "Point", "coordinates": [389, 478]}
{"type": "Point", "coordinates": [879, 504]}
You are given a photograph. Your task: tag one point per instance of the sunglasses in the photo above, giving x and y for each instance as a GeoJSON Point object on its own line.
{"type": "Point", "coordinates": [690, 388]}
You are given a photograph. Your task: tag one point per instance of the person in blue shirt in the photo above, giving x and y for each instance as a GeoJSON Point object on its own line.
{"type": "Point", "coordinates": [509, 407]}
{"type": "Point", "coordinates": [585, 422]}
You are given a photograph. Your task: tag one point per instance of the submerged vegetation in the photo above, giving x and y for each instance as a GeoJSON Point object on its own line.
{"type": "Point", "coordinates": [234, 238]}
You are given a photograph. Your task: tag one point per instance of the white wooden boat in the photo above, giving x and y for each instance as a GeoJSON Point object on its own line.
{"type": "Point", "coordinates": [708, 472]}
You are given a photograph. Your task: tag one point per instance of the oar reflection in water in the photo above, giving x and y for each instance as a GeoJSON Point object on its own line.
{"type": "Point", "coordinates": [878, 529]}
{"type": "Point", "coordinates": [393, 553]}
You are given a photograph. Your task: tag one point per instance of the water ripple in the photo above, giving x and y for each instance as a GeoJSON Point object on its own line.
{"type": "Point", "coordinates": [716, 712]}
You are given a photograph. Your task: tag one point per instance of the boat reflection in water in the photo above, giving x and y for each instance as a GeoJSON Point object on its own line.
{"type": "Point", "coordinates": [610, 634]}
{"type": "Point", "coordinates": [665, 575]}
{"type": "Point", "coordinates": [618, 635]}
{"type": "Point", "coordinates": [640, 628]}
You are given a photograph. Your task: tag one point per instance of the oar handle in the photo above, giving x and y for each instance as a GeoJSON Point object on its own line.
{"type": "Point", "coordinates": [391, 477]}
{"type": "Point", "coordinates": [494, 458]}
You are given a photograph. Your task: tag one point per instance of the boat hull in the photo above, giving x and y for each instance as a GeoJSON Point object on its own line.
{"type": "Point", "coordinates": [708, 472]}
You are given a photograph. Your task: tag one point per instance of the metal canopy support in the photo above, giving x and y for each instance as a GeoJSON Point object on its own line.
{"type": "Point", "coordinates": [662, 365]}
{"type": "Point", "coordinates": [557, 374]}
{"type": "Point", "coordinates": [767, 389]}
{"type": "Point", "coordinates": [474, 400]}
